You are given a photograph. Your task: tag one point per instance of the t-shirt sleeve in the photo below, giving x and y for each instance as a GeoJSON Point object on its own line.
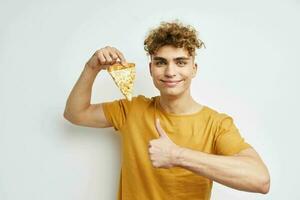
{"type": "Point", "coordinates": [116, 112]}
{"type": "Point", "coordinates": [228, 140]}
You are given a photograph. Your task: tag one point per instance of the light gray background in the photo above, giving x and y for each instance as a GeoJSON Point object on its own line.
{"type": "Point", "coordinates": [249, 71]}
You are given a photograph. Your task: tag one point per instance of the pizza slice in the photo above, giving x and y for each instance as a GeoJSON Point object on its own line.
{"type": "Point", "coordinates": [124, 77]}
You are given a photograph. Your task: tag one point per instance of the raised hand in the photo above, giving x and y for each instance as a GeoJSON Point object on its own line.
{"type": "Point", "coordinates": [163, 151]}
{"type": "Point", "coordinates": [105, 57]}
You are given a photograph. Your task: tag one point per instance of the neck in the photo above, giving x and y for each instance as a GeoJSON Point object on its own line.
{"type": "Point", "coordinates": [184, 104]}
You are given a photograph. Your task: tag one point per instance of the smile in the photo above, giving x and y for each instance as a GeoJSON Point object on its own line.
{"type": "Point", "coordinates": [171, 83]}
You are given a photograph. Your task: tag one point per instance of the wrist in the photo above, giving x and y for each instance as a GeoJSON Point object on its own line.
{"type": "Point", "coordinates": [88, 68]}
{"type": "Point", "coordinates": [178, 156]}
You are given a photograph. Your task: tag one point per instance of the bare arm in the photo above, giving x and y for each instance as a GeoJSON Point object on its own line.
{"type": "Point", "coordinates": [243, 171]}
{"type": "Point", "coordinates": [78, 108]}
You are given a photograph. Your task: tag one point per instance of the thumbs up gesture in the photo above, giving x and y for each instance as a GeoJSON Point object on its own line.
{"type": "Point", "coordinates": [163, 151]}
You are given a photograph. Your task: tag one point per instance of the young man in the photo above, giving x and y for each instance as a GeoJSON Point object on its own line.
{"type": "Point", "coordinates": [172, 146]}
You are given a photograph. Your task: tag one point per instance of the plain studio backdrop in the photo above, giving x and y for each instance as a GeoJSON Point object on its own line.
{"type": "Point", "coordinates": [248, 70]}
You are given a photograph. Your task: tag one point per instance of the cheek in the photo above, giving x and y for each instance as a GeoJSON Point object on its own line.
{"type": "Point", "coordinates": [187, 75]}
{"type": "Point", "coordinates": [156, 78]}
{"type": "Point", "coordinates": [188, 79]}
{"type": "Point", "coordinates": [156, 74]}
{"type": "Point", "coordinates": [187, 83]}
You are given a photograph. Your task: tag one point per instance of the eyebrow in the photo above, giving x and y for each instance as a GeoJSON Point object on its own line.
{"type": "Point", "coordinates": [178, 58]}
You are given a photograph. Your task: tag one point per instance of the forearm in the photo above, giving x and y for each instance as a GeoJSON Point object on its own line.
{"type": "Point", "coordinates": [80, 96]}
{"type": "Point", "coordinates": [238, 172]}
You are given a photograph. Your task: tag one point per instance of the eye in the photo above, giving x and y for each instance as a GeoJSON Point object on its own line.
{"type": "Point", "coordinates": [160, 63]}
{"type": "Point", "coordinates": [181, 63]}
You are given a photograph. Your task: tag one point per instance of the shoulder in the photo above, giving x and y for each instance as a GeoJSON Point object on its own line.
{"type": "Point", "coordinates": [141, 99]}
{"type": "Point", "coordinates": [137, 102]}
{"type": "Point", "coordinates": [217, 116]}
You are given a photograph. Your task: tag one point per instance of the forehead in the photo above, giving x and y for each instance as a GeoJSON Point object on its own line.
{"type": "Point", "coordinates": [169, 53]}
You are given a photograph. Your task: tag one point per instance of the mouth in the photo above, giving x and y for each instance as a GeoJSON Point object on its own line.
{"type": "Point", "coordinates": [170, 83]}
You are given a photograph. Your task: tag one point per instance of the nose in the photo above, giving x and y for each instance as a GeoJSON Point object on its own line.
{"type": "Point", "coordinates": [170, 71]}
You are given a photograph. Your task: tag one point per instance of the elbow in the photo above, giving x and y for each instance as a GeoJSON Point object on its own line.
{"type": "Point", "coordinates": [66, 116]}
{"type": "Point", "coordinates": [264, 185]}
{"type": "Point", "coordinates": [71, 118]}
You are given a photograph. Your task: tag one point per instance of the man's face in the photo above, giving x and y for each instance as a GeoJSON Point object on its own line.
{"type": "Point", "coordinates": [172, 70]}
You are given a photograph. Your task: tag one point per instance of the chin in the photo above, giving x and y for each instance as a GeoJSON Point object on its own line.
{"type": "Point", "coordinates": [171, 93]}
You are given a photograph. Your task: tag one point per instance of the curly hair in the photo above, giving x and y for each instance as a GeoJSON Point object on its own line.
{"type": "Point", "coordinates": [173, 33]}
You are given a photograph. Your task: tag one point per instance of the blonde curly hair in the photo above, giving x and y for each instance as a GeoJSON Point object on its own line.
{"type": "Point", "coordinates": [173, 33]}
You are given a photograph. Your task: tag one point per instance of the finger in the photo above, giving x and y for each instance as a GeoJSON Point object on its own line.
{"type": "Point", "coordinates": [113, 55]}
{"type": "Point", "coordinates": [107, 57]}
{"type": "Point", "coordinates": [159, 129]}
{"type": "Point", "coordinates": [152, 150]}
{"type": "Point", "coordinates": [121, 57]}
{"type": "Point", "coordinates": [101, 58]}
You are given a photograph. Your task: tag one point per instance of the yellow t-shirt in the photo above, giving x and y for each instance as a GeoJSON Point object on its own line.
{"type": "Point", "coordinates": [206, 131]}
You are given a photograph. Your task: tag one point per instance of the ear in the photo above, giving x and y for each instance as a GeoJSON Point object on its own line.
{"type": "Point", "coordinates": [195, 68]}
{"type": "Point", "coordinates": [150, 63]}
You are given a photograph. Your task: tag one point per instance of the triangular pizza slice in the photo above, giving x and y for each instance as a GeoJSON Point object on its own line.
{"type": "Point", "coordinates": [124, 77]}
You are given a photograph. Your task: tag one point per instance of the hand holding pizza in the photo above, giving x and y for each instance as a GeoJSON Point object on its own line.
{"type": "Point", "coordinates": [106, 57]}
{"type": "Point", "coordinates": [112, 60]}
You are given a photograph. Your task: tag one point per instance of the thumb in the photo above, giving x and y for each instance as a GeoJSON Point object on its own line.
{"type": "Point", "coordinates": [160, 130]}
